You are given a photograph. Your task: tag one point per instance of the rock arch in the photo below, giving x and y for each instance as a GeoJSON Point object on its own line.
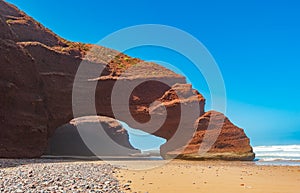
{"type": "Point", "coordinates": [37, 70]}
{"type": "Point", "coordinates": [66, 141]}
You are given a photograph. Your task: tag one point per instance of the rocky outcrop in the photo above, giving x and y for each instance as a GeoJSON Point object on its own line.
{"type": "Point", "coordinates": [111, 136]}
{"type": "Point", "coordinates": [231, 142]}
{"type": "Point", "coordinates": [23, 116]}
{"type": "Point", "coordinates": [37, 76]}
{"type": "Point", "coordinates": [26, 29]}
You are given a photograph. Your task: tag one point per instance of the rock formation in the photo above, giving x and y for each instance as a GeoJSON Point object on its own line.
{"type": "Point", "coordinates": [67, 140]}
{"type": "Point", "coordinates": [37, 75]}
{"type": "Point", "coordinates": [231, 142]}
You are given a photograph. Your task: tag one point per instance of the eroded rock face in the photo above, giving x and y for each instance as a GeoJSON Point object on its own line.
{"type": "Point", "coordinates": [111, 138]}
{"type": "Point", "coordinates": [231, 142]}
{"type": "Point", "coordinates": [37, 75]}
{"type": "Point", "coordinates": [24, 28]}
{"type": "Point", "coordinates": [23, 116]}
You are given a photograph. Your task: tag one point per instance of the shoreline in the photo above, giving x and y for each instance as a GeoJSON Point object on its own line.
{"type": "Point", "coordinates": [275, 162]}
{"type": "Point", "coordinates": [150, 176]}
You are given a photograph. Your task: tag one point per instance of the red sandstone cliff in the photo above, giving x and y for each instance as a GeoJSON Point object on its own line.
{"type": "Point", "coordinates": [37, 71]}
{"type": "Point", "coordinates": [231, 143]}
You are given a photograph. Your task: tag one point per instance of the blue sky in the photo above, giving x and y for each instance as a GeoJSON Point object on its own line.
{"type": "Point", "coordinates": [255, 43]}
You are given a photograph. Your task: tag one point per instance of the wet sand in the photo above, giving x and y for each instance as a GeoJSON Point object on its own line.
{"type": "Point", "coordinates": [209, 176]}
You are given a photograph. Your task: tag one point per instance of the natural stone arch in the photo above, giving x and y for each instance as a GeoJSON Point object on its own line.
{"type": "Point", "coordinates": [66, 140]}
{"type": "Point", "coordinates": [37, 73]}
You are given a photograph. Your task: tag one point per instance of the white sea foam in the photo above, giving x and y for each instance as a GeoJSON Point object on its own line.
{"type": "Point", "coordinates": [278, 148]}
{"type": "Point", "coordinates": [278, 152]}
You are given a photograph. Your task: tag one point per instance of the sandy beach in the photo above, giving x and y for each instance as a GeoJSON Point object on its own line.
{"type": "Point", "coordinates": [49, 175]}
{"type": "Point", "coordinates": [214, 177]}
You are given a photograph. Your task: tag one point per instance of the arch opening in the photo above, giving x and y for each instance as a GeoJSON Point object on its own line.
{"type": "Point", "coordinates": [148, 144]}
{"type": "Point", "coordinates": [66, 141]}
{"type": "Point", "coordinates": [112, 140]}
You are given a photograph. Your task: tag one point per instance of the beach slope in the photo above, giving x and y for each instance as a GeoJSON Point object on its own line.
{"type": "Point", "coordinates": [212, 177]}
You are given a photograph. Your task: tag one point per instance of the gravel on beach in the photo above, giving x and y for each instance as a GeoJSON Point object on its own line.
{"type": "Point", "coordinates": [44, 175]}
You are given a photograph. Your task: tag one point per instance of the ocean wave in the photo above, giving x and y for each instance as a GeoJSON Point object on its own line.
{"type": "Point", "coordinates": [278, 159]}
{"type": "Point", "coordinates": [278, 153]}
{"type": "Point", "coordinates": [277, 148]}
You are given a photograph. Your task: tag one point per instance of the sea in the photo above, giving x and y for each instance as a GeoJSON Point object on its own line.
{"type": "Point", "coordinates": [277, 155]}
{"type": "Point", "coordinates": [281, 155]}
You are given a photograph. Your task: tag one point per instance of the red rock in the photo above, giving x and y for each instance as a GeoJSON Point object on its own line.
{"type": "Point", "coordinates": [37, 75]}
{"type": "Point", "coordinates": [23, 116]}
{"type": "Point", "coordinates": [26, 29]}
{"type": "Point", "coordinates": [231, 142]}
{"type": "Point", "coordinates": [67, 141]}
